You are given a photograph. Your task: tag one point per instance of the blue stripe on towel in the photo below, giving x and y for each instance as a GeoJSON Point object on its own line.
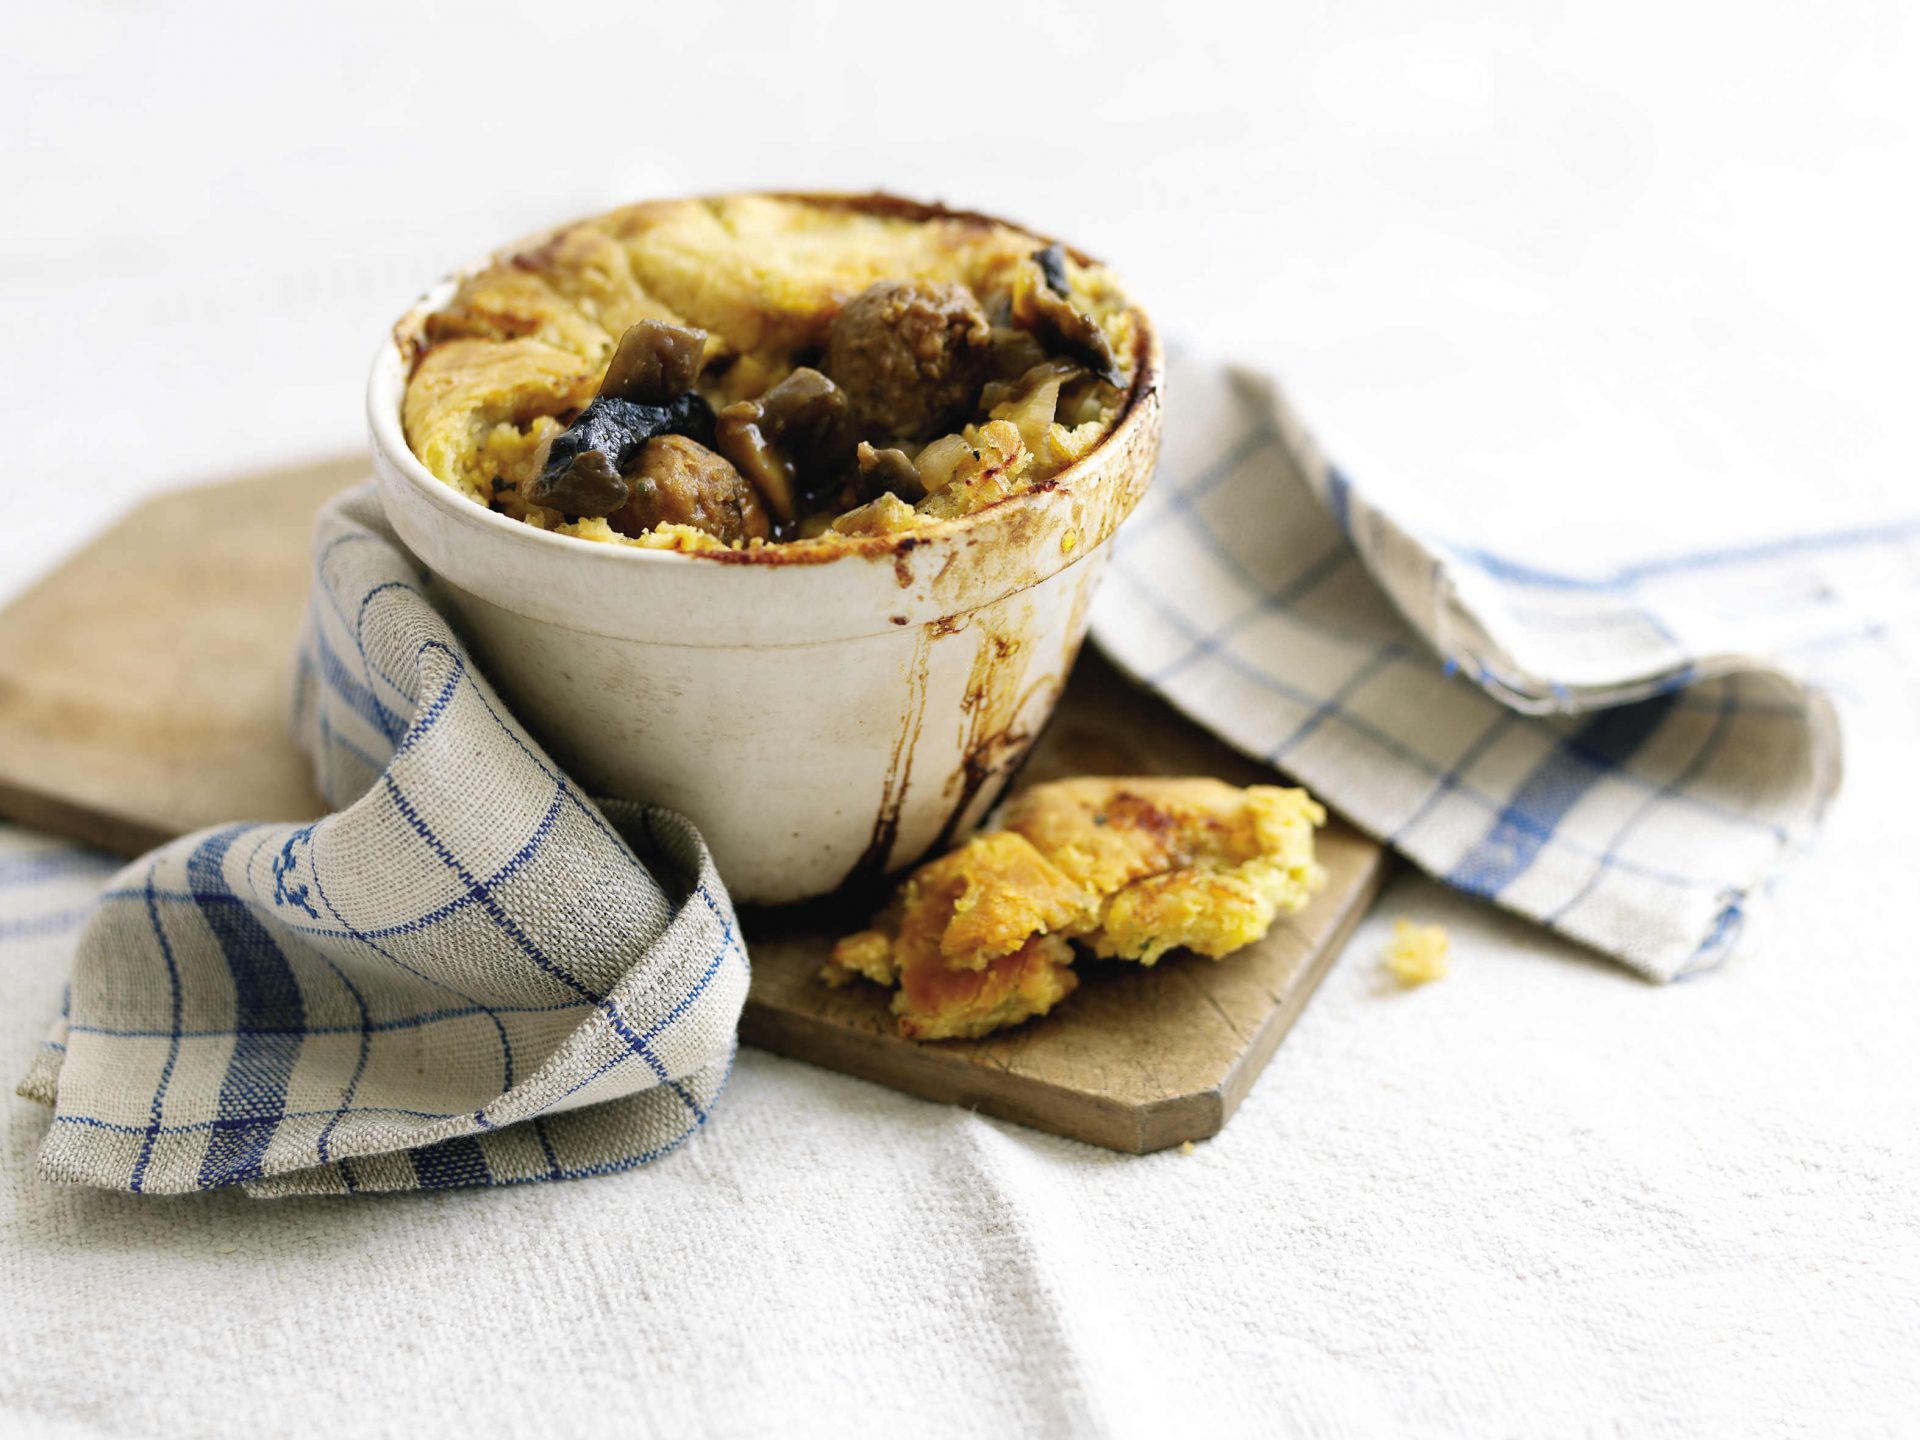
{"type": "Point", "coordinates": [1598, 749]}
{"type": "Point", "coordinates": [451, 1164]}
{"type": "Point", "coordinates": [268, 1012]}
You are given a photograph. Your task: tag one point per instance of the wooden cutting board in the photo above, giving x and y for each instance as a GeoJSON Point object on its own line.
{"type": "Point", "coordinates": [143, 694]}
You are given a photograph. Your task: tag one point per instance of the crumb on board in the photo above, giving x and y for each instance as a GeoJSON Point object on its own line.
{"type": "Point", "coordinates": [1186, 1147]}
{"type": "Point", "coordinates": [1417, 954]}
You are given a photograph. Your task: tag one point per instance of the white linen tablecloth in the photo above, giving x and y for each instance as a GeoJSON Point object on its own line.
{"type": "Point", "coordinates": [1623, 253]}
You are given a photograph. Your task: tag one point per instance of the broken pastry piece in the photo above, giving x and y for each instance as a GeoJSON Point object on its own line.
{"type": "Point", "coordinates": [1129, 868]}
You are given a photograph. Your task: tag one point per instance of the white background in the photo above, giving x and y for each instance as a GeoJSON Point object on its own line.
{"type": "Point", "coordinates": [1596, 253]}
{"type": "Point", "coordinates": [1534, 271]}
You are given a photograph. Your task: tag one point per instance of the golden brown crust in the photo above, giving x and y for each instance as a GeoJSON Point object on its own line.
{"type": "Point", "coordinates": [766, 277]}
{"type": "Point", "coordinates": [477, 410]}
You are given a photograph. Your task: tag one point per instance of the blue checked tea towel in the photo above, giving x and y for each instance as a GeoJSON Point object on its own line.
{"type": "Point", "coordinates": [469, 974]}
{"type": "Point", "coordinates": [1628, 758]}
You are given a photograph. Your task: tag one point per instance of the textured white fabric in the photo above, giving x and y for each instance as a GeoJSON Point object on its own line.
{"type": "Point", "coordinates": [1633, 254]}
{"type": "Point", "coordinates": [465, 975]}
{"type": "Point", "coordinates": [1536, 1198]}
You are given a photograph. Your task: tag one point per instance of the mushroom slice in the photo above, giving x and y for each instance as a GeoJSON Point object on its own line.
{"type": "Point", "coordinates": [1014, 352]}
{"type": "Point", "coordinates": [801, 421]}
{"type": "Point", "coordinates": [809, 415]}
{"type": "Point", "coordinates": [888, 470]}
{"type": "Point", "coordinates": [586, 485]}
{"type": "Point", "coordinates": [1046, 312]}
{"type": "Point", "coordinates": [740, 434]}
{"type": "Point", "coordinates": [654, 362]}
{"type": "Point", "coordinates": [1053, 268]}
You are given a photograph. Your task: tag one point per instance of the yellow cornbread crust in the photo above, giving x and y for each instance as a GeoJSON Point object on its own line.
{"type": "Point", "coordinates": [1128, 868]}
{"type": "Point", "coordinates": [518, 352]}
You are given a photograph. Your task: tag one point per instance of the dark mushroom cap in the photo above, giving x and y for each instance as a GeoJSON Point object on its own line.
{"type": "Point", "coordinates": [611, 432]}
{"type": "Point", "coordinates": [1053, 268]}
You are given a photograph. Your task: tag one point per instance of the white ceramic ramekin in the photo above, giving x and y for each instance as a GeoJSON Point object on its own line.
{"type": "Point", "coordinates": [822, 720]}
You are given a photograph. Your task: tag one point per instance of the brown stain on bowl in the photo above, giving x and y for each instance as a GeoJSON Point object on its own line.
{"type": "Point", "coordinates": [994, 744]}
{"type": "Point", "coordinates": [992, 736]}
{"type": "Point", "coordinates": [872, 864]}
{"type": "Point", "coordinates": [902, 566]}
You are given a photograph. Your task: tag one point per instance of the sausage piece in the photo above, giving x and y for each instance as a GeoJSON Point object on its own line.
{"type": "Point", "coordinates": [911, 355]}
{"type": "Point", "coordinates": [677, 481]}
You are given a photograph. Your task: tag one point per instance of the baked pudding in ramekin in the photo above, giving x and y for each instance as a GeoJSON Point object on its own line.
{"type": "Point", "coordinates": [785, 511]}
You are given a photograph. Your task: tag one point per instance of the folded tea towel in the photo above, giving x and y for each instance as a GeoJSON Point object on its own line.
{"type": "Point", "coordinates": [469, 974]}
{"type": "Point", "coordinates": [1627, 757]}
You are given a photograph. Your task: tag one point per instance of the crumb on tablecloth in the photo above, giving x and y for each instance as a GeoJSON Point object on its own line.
{"type": "Point", "coordinates": [1417, 954]}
